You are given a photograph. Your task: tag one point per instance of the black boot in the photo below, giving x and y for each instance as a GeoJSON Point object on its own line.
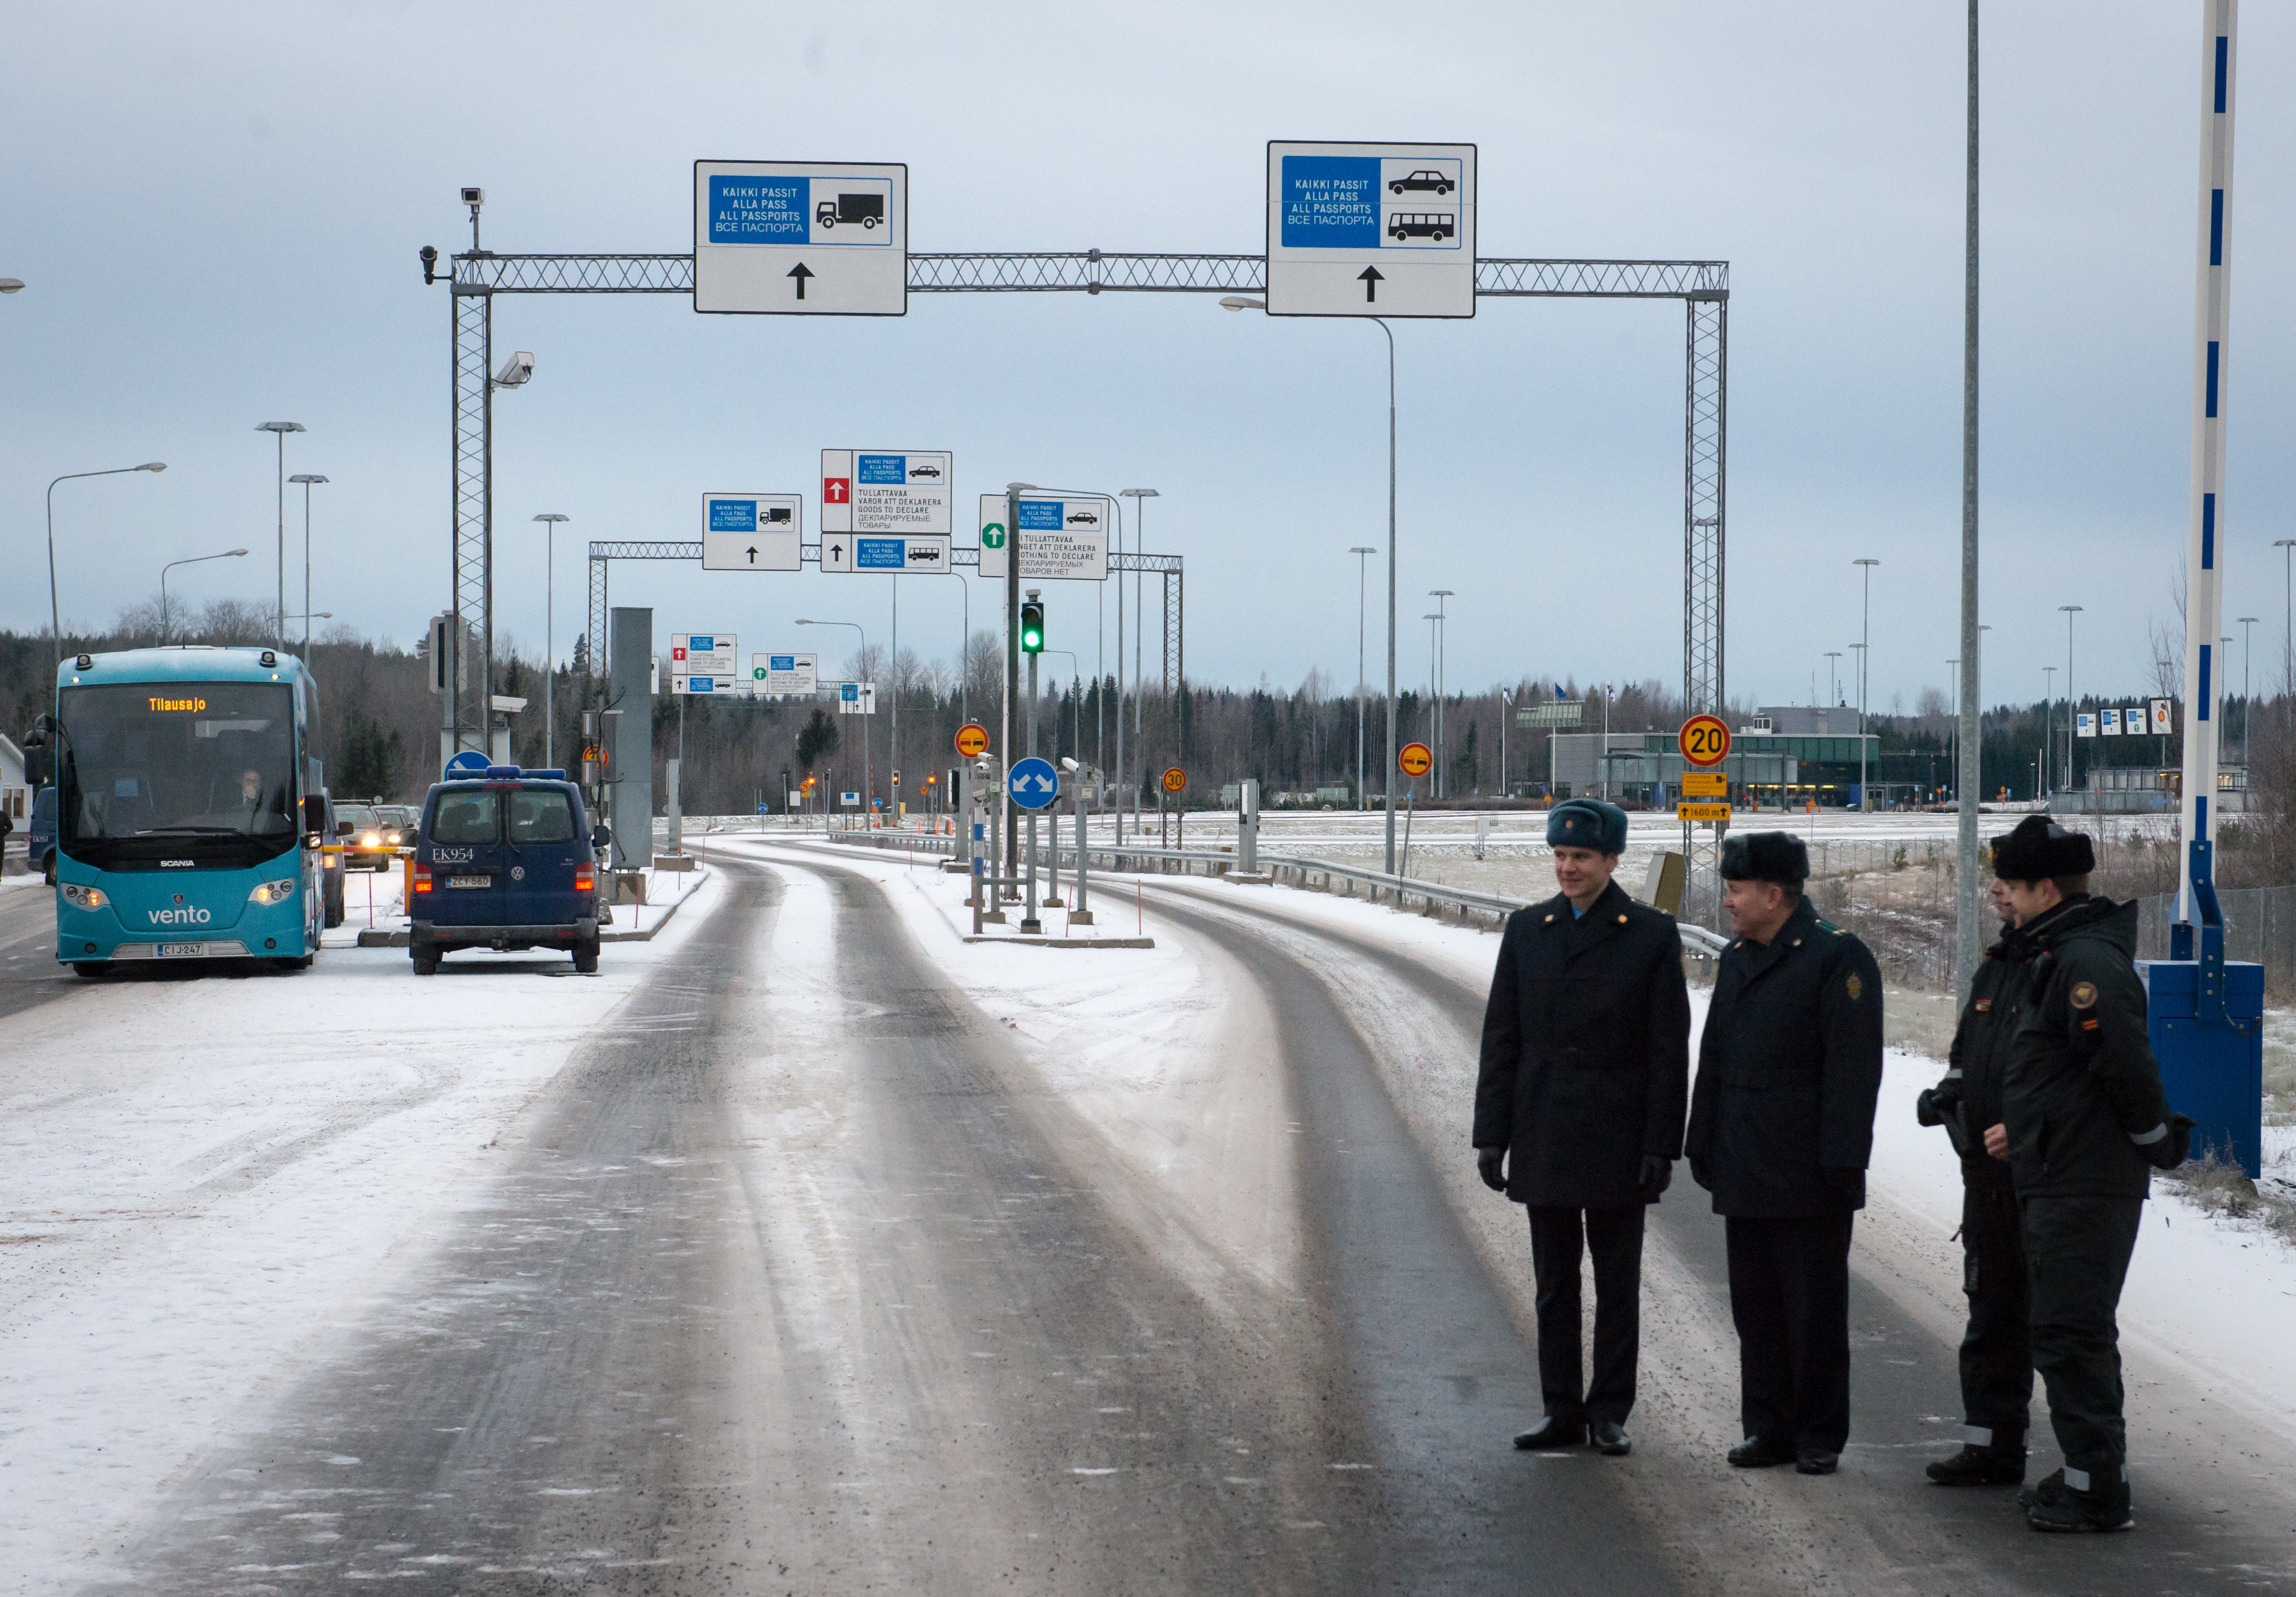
{"type": "Point", "coordinates": [2066, 1509]}
{"type": "Point", "coordinates": [1553, 1432]}
{"type": "Point", "coordinates": [1975, 1466]}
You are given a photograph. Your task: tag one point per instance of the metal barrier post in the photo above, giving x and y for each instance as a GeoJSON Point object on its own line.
{"type": "Point", "coordinates": [1029, 922]}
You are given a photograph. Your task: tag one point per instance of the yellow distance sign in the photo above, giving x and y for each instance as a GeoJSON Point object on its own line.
{"type": "Point", "coordinates": [1415, 759]}
{"type": "Point", "coordinates": [1702, 812]}
{"type": "Point", "coordinates": [1175, 779]}
{"type": "Point", "coordinates": [972, 739]}
{"type": "Point", "coordinates": [1705, 784]}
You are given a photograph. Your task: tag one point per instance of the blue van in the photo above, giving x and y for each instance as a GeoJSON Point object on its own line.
{"type": "Point", "coordinates": [506, 859]}
{"type": "Point", "coordinates": [40, 835]}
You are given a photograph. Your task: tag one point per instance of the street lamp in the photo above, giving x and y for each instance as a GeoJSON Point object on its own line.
{"type": "Point", "coordinates": [307, 480]}
{"type": "Point", "coordinates": [1864, 670]}
{"type": "Point", "coordinates": [55, 621]}
{"type": "Point", "coordinates": [1362, 578]}
{"type": "Point", "coordinates": [550, 521]}
{"type": "Point", "coordinates": [2071, 703]}
{"type": "Point", "coordinates": [1387, 779]}
{"type": "Point", "coordinates": [279, 430]}
{"type": "Point", "coordinates": [1139, 497]}
{"type": "Point", "coordinates": [2048, 729]}
{"type": "Point", "coordinates": [190, 560]}
{"type": "Point", "coordinates": [2247, 649]}
{"type": "Point", "coordinates": [1832, 688]}
{"type": "Point", "coordinates": [1443, 627]}
{"type": "Point", "coordinates": [2287, 548]}
{"type": "Point", "coordinates": [12, 285]}
{"type": "Point", "coordinates": [868, 772]}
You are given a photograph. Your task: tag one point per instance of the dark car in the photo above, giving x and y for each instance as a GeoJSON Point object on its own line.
{"type": "Point", "coordinates": [506, 860]}
{"type": "Point", "coordinates": [331, 914]}
{"type": "Point", "coordinates": [924, 471]}
{"type": "Point", "coordinates": [1085, 516]}
{"type": "Point", "coordinates": [369, 842]}
{"type": "Point", "coordinates": [40, 835]}
{"type": "Point", "coordinates": [1427, 181]}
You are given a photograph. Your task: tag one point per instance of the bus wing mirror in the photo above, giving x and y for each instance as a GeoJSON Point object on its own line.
{"type": "Point", "coordinates": [314, 815]}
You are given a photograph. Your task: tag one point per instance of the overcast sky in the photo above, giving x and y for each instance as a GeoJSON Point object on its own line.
{"type": "Point", "coordinates": [216, 209]}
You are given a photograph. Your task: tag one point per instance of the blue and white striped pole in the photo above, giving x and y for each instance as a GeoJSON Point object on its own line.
{"type": "Point", "coordinates": [2196, 907]}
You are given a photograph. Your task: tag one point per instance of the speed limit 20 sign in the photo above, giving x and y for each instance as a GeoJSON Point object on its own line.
{"type": "Point", "coordinates": [1704, 741]}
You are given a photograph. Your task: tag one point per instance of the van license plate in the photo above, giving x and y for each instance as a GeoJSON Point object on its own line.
{"type": "Point", "coordinates": [181, 950]}
{"type": "Point", "coordinates": [469, 881]}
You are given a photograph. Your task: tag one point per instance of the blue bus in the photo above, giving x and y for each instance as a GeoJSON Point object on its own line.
{"type": "Point", "coordinates": [189, 807]}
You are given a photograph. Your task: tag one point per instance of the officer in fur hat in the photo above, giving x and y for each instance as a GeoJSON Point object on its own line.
{"type": "Point", "coordinates": [1780, 1125]}
{"type": "Point", "coordinates": [1578, 1110]}
{"type": "Point", "coordinates": [2084, 1124]}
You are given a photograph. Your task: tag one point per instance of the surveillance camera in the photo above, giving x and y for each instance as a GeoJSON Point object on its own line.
{"type": "Point", "coordinates": [515, 370]}
{"type": "Point", "coordinates": [1067, 764]}
{"type": "Point", "coordinates": [429, 255]}
{"type": "Point", "coordinates": [474, 197]}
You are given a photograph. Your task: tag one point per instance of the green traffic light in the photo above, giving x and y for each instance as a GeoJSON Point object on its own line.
{"type": "Point", "coordinates": [1032, 627]}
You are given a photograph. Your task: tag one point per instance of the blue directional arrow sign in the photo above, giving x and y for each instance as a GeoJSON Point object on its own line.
{"type": "Point", "coordinates": [1035, 784]}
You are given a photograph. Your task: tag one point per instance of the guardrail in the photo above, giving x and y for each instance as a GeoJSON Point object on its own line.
{"type": "Point", "coordinates": [1306, 873]}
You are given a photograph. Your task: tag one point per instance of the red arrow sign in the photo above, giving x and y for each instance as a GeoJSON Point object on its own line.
{"type": "Point", "coordinates": [836, 490]}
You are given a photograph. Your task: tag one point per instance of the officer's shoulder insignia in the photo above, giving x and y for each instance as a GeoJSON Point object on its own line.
{"type": "Point", "coordinates": [1622, 919]}
{"type": "Point", "coordinates": [1829, 926]}
{"type": "Point", "coordinates": [1854, 986]}
{"type": "Point", "coordinates": [1797, 942]}
{"type": "Point", "coordinates": [1550, 917]}
{"type": "Point", "coordinates": [2083, 995]}
{"type": "Point", "coordinates": [1984, 1004]}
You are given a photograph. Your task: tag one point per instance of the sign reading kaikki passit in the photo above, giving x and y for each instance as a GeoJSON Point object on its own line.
{"type": "Point", "coordinates": [1371, 230]}
{"type": "Point", "coordinates": [799, 238]}
{"type": "Point", "coordinates": [1063, 536]}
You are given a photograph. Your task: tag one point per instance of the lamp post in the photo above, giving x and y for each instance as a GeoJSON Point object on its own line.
{"type": "Point", "coordinates": [1443, 626]}
{"type": "Point", "coordinates": [1864, 671]}
{"type": "Point", "coordinates": [1139, 497]}
{"type": "Point", "coordinates": [2247, 649]}
{"type": "Point", "coordinates": [868, 772]}
{"type": "Point", "coordinates": [2287, 548]}
{"type": "Point", "coordinates": [1075, 715]}
{"type": "Point", "coordinates": [550, 521]}
{"type": "Point", "coordinates": [1387, 780]}
{"type": "Point", "coordinates": [55, 621]}
{"type": "Point", "coordinates": [309, 479]}
{"type": "Point", "coordinates": [1363, 569]}
{"type": "Point", "coordinates": [279, 430]}
{"type": "Point", "coordinates": [1953, 727]}
{"type": "Point", "coordinates": [189, 561]}
{"type": "Point", "coordinates": [12, 285]}
{"type": "Point", "coordinates": [1434, 619]}
{"type": "Point", "coordinates": [2071, 703]}
{"type": "Point", "coordinates": [1832, 688]}
{"type": "Point", "coordinates": [2048, 730]}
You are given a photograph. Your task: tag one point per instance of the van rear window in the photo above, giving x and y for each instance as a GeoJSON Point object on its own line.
{"type": "Point", "coordinates": [539, 815]}
{"type": "Point", "coordinates": [467, 818]}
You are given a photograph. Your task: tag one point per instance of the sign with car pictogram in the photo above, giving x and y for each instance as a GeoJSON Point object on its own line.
{"type": "Point", "coordinates": [904, 492]}
{"type": "Point", "coordinates": [801, 238]}
{"type": "Point", "coordinates": [1063, 536]}
{"type": "Point", "coordinates": [1371, 230]}
{"type": "Point", "coordinates": [782, 675]}
{"type": "Point", "coordinates": [703, 663]}
{"type": "Point", "coordinates": [1415, 759]}
{"type": "Point", "coordinates": [972, 739]}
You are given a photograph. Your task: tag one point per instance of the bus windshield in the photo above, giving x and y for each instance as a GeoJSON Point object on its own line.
{"type": "Point", "coordinates": [205, 768]}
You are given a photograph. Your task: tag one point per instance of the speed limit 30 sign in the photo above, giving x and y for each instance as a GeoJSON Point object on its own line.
{"type": "Point", "coordinates": [1704, 741]}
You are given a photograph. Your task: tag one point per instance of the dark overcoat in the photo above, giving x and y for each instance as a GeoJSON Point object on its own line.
{"type": "Point", "coordinates": [1789, 1070]}
{"type": "Point", "coordinates": [1585, 1051]}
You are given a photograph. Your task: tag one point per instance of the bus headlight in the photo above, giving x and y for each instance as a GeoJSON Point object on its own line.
{"type": "Point", "coordinates": [81, 897]}
{"type": "Point", "coordinates": [272, 892]}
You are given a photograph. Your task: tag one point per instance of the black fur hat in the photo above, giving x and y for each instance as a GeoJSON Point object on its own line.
{"type": "Point", "coordinates": [1777, 856]}
{"type": "Point", "coordinates": [1587, 824]}
{"type": "Point", "coordinates": [2039, 849]}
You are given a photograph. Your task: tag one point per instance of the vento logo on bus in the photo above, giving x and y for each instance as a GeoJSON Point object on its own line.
{"type": "Point", "coordinates": [190, 914]}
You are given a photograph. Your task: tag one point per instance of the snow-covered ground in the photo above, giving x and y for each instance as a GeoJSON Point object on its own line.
{"type": "Point", "coordinates": [206, 1184]}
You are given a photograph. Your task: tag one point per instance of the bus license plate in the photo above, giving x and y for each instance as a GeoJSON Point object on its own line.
{"type": "Point", "coordinates": [181, 950]}
{"type": "Point", "coordinates": [469, 881]}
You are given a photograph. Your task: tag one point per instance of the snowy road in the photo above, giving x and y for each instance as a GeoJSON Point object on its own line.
{"type": "Point", "coordinates": [28, 972]}
{"type": "Point", "coordinates": [813, 1249]}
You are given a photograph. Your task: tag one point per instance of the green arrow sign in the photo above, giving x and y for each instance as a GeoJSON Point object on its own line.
{"type": "Point", "coordinates": [992, 535]}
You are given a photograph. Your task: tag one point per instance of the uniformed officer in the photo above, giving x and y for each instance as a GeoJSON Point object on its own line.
{"type": "Point", "coordinates": [1780, 1125]}
{"type": "Point", "coordinates": [1997, 1355]}
{"type": "Point", "coordinates": [2084, 1123]}
{"type": "Point", "coordinates": [1585, 1067]}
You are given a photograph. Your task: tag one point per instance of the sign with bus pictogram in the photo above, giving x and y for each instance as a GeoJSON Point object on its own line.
{"type": "Point", "coordinates": [1415, 759]}
{"type": "Point", "coordinates": [1704, 741]}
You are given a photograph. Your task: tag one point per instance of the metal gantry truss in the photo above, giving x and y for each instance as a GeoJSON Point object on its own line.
{"type": "Point", "coordinates": [603, 553]}
{"type": "Point", "coordinates": [1702, 285]}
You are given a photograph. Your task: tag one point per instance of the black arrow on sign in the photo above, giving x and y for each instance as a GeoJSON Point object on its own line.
{"type": "Point", "coordinates": [836, 552]}
{"type": "Point", "coordinates": [800, 272]}
{"type": "Point", "coordinates": [1370, 278]}
{"type": "Point", "coordinates": [753, 554]}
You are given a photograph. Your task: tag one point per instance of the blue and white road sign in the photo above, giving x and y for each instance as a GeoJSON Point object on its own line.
{"type": "Point", "coordinates": [472, 760]}
{"type": "Point", "coordinates": [884, 553]}
{"type": "Point", "coordinates": [1062, 536]}
{"type": "Point", "coordinates": [752, 532]}
{"type": "Point", "coordinates": [1371, 230]}
{"type": "Point", "coordinates": [801, 238]}
{"type": "Point", "coordinates": [1035, 784]}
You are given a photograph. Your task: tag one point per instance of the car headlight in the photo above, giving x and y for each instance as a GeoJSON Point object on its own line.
{"type": "Point", "coordinates": [81, 897]}
{"type": "Point", "coordinates": [272, 892]}
{"type": "Point", "coordinates": [370, 841]}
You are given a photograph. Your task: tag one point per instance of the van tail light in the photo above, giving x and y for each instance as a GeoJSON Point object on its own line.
{"type": "Point", "coordinates": [421, 879]}
{"type": "Point", "coordinates": [585, 879]}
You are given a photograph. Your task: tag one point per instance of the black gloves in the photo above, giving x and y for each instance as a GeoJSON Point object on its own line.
{"type": "Point", "coordinates": [1487, 1164]}
{"type": "Point", "coordinates": [2168, 1150]}
{"type": "Point", "coordinates": [1656, 1172]}
{"type": "Point", "coordinates": [1939, 1104]}
{"type": "Point", "coordinates": [1847, 1187]}
{"type": "Point", "coordinates": [1701, 1172]}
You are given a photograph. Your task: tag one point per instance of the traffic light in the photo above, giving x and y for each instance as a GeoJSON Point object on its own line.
{"type": "Point", "coordinates": [1032, 626]}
